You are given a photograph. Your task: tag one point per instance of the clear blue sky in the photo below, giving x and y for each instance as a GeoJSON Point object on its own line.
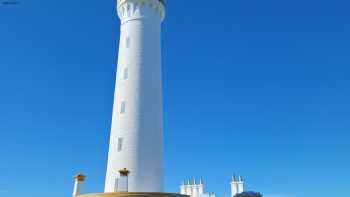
{"type": "Point", "coordinates": [258, 88]}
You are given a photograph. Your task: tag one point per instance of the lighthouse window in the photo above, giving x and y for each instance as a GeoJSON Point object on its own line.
{"type": "Point", "coordinates": [122, 107]}
{"type": "Point", "coordinates": [120, 144]}
{"type": "Point", "coordinates": [126, 73]}
{"type": "Point", "coordinates": [127, 42]}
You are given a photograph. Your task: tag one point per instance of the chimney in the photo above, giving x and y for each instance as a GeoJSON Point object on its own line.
{"type": "Point", "coordinates": [240, 184]}
{"type": "Point", "coordinates": [234, 186]}
{"type": "Point", "coordinates": [201, 186]}
{"type": "Point", "coordinates": [183, 188]}
{"type": "Point", "coordinates": [195, 188]}
{"type": "Point", "coordinates": [78, 184]}
{"type": "Point", "coordinates": [189, 188]}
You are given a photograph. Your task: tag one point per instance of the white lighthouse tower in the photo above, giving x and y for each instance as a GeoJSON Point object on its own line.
{"type": "Point", "coordinates": [136, 140]}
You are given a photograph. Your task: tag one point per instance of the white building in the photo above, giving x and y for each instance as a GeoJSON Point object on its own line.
{"type": "Point", "coordinates": [136, 139]}
{"type": "Point", "coordinates": [194, 189]}
{"type": "Point", "coordinates": [197, 190]}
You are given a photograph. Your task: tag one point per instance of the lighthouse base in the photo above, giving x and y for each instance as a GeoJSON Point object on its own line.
{"type": "Point", "coordinates": [133, 194]}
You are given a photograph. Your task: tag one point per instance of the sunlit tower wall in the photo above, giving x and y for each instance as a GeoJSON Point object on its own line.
{"type": "Point", "coordinates": [136, 139]}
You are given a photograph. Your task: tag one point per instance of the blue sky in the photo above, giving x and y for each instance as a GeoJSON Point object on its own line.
{"type": "Point", "coordinates": [258, 88]}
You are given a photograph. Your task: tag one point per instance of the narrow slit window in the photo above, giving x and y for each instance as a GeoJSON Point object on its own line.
{"type": "Point", "coordinates": [122, 107]}
{"type": "Point", "coordinates": [120, 144]}
{"type": "Point", "coordinates": [127, 42]}
{"type": "Point", "coordinates": [126, 73]}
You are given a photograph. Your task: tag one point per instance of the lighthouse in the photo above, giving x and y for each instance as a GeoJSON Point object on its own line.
{"type": "Point", "coordinates": [136, 138]}
{"type": "Point", "coordinates": [135, 156]}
